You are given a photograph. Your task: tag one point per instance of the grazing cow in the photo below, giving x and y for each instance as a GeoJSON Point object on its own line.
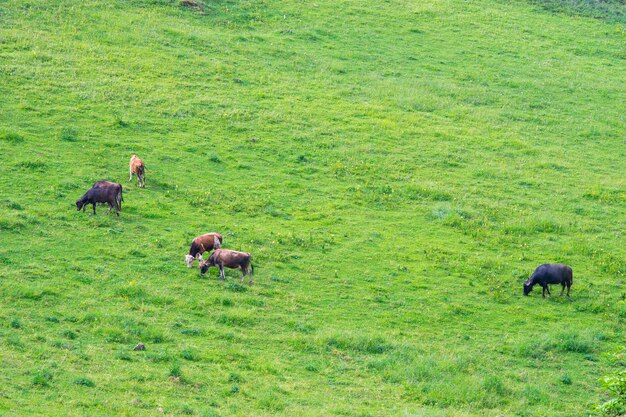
{"type": "Point", "coordinates": [109, 184]}
{"type": "Point", "coordinates": [549, 274]}
{"type": "Point", "coordinates": [202, 244]}
{"type": "Point", "coordinates": [102, 192]}
{"type": "Point", "coordinates": [139, 169]}
{"type": "Point", "coordinates": [229, 259]}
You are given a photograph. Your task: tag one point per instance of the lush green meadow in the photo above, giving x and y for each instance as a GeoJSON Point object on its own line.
{"type": "Point", "coordinates": [396, 168]}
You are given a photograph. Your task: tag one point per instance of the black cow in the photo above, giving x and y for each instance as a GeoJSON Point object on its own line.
{"type": "Point", "coordinates": [109, 184]}
{"type": "Point", "coordinates": [102, 192]}
{"type": "Point", "coordinates": [549, 274]}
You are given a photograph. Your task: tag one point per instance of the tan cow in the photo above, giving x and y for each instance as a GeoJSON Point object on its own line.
{"type": "Point", "coordinates": [139, 169]}
{"type": "Point", "coordinates": [229, 259]}
{"type": "Point", "coordinates": [202, 244]}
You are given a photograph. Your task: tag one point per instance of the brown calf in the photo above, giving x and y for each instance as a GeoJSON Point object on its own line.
{"type": "Point", "coordinates": [202, 244]}
{"type": "Point", "coordinates": [229, 259]}
{"type": "Point", "coordinates": [139, 169]}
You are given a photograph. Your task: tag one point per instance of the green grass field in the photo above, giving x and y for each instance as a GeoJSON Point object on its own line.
{"type": "Point", "coordinates": [396, 168]}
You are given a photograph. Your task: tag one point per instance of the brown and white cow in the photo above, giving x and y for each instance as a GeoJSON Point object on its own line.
{"type": "Point", "coordinates": [201, 244]}
{"type": "Point", "coordinates": [137, 168]}
{"type": "Point", "coordinates": [229, 259]}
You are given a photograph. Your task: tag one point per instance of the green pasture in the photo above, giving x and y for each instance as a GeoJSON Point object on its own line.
{"type": "Point", "coordinates": [396, 168]}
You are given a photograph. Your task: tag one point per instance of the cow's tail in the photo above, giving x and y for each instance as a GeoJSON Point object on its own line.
{"type": "Point", "coordinates": [121, 197]}
{"type": "Point", "coordinates": [251, 269]}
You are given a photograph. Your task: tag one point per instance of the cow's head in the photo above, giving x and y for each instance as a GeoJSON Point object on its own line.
{"type": "Point", "coordinates": [79, 204]}
{"type": "Point", "coordinates": [528, 287]}
{"type": "Point", "coordinates": [204, 266]}
{"type": "Point", "coordinates": [189, 260]}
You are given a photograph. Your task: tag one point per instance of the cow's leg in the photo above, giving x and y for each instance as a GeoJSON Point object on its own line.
{"type": "Point", "coordinates": [569, 284]}
{"type": "Point", "coordinates": [131, 175]}
{"type": "Point", "coordinates": [94, 208]}
{"type": "Point", "coordinates": [562, 289]}
{"type": "Point", "coordinates": [243, 273]}
{"type": "Point", "coordinates": [548, 290]}
{"type": "Point", "coordinates": [543, 294]}
{"type": "Point", "coordinates": [222, 276]}
{"type": "Point", "coordinates": [249, 275]}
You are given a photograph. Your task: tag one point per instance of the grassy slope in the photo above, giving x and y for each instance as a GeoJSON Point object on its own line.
{"type": "Point", "coordinates": [412, 163]}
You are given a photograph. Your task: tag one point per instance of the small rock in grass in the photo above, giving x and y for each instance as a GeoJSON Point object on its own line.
{"type": "Point", "coordinates": [140, 346]}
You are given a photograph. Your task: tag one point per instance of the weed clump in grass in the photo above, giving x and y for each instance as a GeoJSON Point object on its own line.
{"type": "Point", "coordinates": [572, 342]}
{"type": "Point", "coordinates": [13, 205]}
{"type": "Point", "coordinates": [33, 166]}
{"type": "Point", "coordinates": [176, 371]}
{"type": "Point", "coordinates": [70, 334]}
{"type": "Point", "coordinates": [610, 10]}
{"type": "Point", "coordinates": [68, 134]}
{"type": "Point", "coordinates": [215, 158]}
{"type": "Point", "coordinates": [11, 137]}
{"type": "Point", "coordinates": [190, 355]}
{"type": "Point", "coordinates": [568, 342]}
{"type": "Point", "coordinates": [42, 378]}
{"type": "Point", "coordinates": [494, 385]}
{"type": "Point", "coordinates": [236, 287]}
{"type": "Point", "coordinates": [534, 396]}
{"type": "Point", "coordinates": [15, 342]}
{"type": "Point", "coordinates": [16, 324]}
{"type": "Point", "coordinates": [235, 320]}
{"type": "Point", "coordinates": [311, 367]}
{"type": "Point", "coordinates": [191, 332]}
{"type": "Point", "coordinates": [363, 344]}
{"type": "Point", "coordinates": [85, 382]}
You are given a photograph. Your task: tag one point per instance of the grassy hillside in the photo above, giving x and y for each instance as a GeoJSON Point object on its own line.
{"type": "Point", "coordinates": [397, 169]}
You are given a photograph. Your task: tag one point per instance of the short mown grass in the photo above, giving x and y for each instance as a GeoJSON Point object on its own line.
{"type": "Point", "coordinates": [397, 169]}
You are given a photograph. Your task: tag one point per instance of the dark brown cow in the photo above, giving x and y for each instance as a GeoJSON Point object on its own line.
{"type": "Point", "coordinates": [102, 192]}
{"type": "Point", "coordinates": [137, 168]}
{"type": "Point", "coordinates": [202, 244]}
{"type": "Point", "coordinates": [229, 259]}
{"type": "Point", "coordinates": [114, 185]}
